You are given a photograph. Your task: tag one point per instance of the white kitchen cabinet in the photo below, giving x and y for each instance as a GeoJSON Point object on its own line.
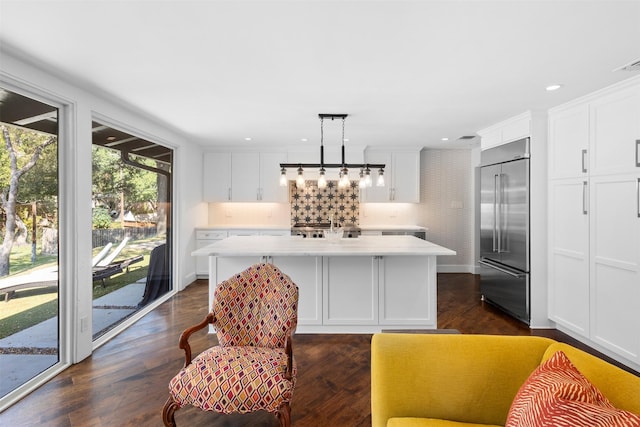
{"type": "Point", "coordinates": [350, 287]}
{"type": "Point", "coordinates": [306, 273]}
{"type": "Point", "coordinates": [217, 177]}
{"type": "Point", "coordinates": [205, 238]}
{"type": "Point", "coordinates": [404, 300]}
{"type": "Point", "coordinates": [569, 254]}
{"type": "Point", "coordinates": [255, 177]}
{"type": "Point", "coordinates": [615, 132]}
{"type": "Point", "coordinates": [513, 129]}
{"type": "Point", "coordinates": [594, 219]}
{"type": "Point", "coordinates": [569, 143]}
{"type": "Point", "coordinates": [245, 176]}
{"type": "Point", "coordinates": [401, 174]}
{"type": "Point", "coordinates": [615, 263]}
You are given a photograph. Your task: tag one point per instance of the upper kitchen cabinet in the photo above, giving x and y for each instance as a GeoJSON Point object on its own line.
{"type": "Point", "coordinates": [569, 142]}
{"type": "Point", "coordinates": [615, 132]}
{"type": "Point", "coordinates": [401, 174]}
{"type": "Point", "coordinates": [510, 130]}
{"type": "Point", "coordinates": [217, 177]}
{"type": "Point", "coordinates": [243, 177]}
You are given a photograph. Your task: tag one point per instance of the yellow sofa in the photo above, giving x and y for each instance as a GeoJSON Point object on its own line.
{"type": "Point", "coordinates": [425, 380]}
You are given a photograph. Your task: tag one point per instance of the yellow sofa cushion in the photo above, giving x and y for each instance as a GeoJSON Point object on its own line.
{"type": "Point", "coordinates": [463, 378]}
{"type": "Point", "coordinates": [430, 422]}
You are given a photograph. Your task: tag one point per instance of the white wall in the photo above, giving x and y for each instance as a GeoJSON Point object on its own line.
{"type": "Point", "coordinates": [447, 205]}
{"type": "Point", "coordinates": [27, 76]}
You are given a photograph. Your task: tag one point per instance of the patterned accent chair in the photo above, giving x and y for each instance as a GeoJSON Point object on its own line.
{"type": "Point", "coordinates": [252, 369]}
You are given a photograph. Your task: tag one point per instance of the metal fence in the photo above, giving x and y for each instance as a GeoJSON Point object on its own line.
{"type": "Point", "coordinates": [101, 237]}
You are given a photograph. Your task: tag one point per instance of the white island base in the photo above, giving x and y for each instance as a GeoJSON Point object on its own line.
{"type": "Point", "coordinates": [358, 285]}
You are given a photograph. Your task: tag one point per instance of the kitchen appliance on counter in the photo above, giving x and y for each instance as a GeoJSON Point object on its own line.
{"type": "Point", "coordinates": [317, 230]}
{"type": "Point", "coordinates": [504, 228]}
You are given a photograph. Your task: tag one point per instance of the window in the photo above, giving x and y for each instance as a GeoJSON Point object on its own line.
{"type": "Point", "coordinates": [131, 233]}
{"type": "Point", "coordinates": [29, 267]}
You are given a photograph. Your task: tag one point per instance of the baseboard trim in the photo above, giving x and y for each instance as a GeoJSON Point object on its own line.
{"type": "Point", "coordinates": [454, 268]}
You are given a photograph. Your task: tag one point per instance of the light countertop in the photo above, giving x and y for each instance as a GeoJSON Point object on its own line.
{"type": "Point", "coordinates": [287, 227]}
{"type": "Point", "coordinates": [298, 246]}
{"type": "Point", "coordinates": [393, 227]}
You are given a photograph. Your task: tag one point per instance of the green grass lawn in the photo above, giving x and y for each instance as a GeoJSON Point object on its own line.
{"type": "Point", "coordinates": [29, 307]}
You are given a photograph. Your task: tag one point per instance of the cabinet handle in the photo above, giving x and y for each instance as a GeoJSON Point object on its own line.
{"type": "Point", "coordinates": [584, 198]}
{"type": "Point", "coordinates": [638, 153]}
{"type": "Point", "coordinates": [229, 194]}
{"type": "Point", "coordinates": [584, 163]}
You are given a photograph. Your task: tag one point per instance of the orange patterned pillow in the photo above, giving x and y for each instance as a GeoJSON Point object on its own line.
{"type": "Point", "coordinates": [557, 394]}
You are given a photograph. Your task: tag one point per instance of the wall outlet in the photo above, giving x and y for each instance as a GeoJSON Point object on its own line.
{"type": "Point", "coordinates": [84, 324]}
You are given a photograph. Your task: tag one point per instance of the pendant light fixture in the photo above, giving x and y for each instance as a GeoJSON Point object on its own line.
{"type": "Point", "coordinates": [343, 167]}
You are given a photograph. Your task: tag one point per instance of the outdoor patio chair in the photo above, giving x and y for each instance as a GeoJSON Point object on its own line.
{"type": "Point", "coordinates": [107, 267]}
{"type": "Point", "coordinates": [252, 369]}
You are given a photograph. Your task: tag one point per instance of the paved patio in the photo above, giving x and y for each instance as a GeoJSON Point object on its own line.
{"type": "Point", "coordinates": [25, 354]}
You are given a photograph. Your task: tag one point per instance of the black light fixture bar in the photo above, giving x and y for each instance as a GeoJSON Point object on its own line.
{"type": "Point", "coordinates": [343, 166]}
{"type": "Point", "coordinates": [333, 165]}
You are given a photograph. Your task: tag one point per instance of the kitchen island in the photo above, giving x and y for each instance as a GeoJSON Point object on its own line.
{"type": "Point", "coordinates": [360, 285]}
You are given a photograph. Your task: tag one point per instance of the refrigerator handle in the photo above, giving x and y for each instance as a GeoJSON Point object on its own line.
{"type": "Point", "coordinates": [584, 198]}
{"type": "Point", "coordinates": [584, 163]}
{"type": "Point", "coordinates": [495, 210]}
{"type": "Point", "coordinates": [502, 270]}
{"type": "Point", "coordinates": [499, 213]}
{"type": "Point", "coordinates": [638, 153]}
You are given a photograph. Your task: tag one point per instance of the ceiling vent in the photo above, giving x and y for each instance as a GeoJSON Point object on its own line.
{"type": "Point", "coordinates": [632, 66]}
{"type": "Point", "coordinates": [462, 138]}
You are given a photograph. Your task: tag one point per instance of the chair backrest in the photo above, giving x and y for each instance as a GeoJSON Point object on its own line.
{"type": "Point", "coordinates": [257, 307]}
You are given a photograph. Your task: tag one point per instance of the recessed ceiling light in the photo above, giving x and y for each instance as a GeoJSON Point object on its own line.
{"type": "Point", "coordinates": [247, 139]}
{"type": "Point", "coordinates": [303, 139]}
{"type": "Point", "coordinates": [551, 88]}
{"type": "Point", "coordinates": [445, 139]}
{"type": "Point", "coordinates": [111, 138]}
{"type": "Point", "coordinates": [346, 140]}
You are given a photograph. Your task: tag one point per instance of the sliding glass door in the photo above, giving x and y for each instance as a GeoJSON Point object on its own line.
{"type": "Point", "coordinates": [29, 218]}
{"type": "Point", "coordinates": [131, 233]}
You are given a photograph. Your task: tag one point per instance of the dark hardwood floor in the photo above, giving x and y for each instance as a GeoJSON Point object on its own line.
{"type": "Point", "coordinates": [124, 383]}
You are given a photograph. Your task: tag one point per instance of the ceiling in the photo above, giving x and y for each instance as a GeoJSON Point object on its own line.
{"type": "Point", "coordinates": [408, 73]}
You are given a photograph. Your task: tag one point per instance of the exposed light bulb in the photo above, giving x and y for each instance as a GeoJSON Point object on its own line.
{"type": "Point", "coordinates": [283, 177]}
{"type": "Point", "coordinates": [367, 177]}
{"type": "Point", "coordinates": [362, 183]}
{"type": "Point", "coordinates": [344, 178]}
{"type": "Point", "coordinates": [380, 181]}
{"type": "Point", "coordinates": [322, 181]}
{"type": "Point", "coordinates": [300, 178]}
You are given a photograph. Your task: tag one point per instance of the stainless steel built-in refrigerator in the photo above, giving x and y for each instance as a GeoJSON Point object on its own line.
{"type": "Point", "coordinates": [504, 228]}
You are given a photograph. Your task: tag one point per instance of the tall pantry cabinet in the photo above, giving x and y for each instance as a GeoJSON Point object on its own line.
{"type": "Point", "coordinates": [594, 218]}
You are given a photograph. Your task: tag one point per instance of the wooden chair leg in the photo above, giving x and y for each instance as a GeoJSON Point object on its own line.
{"type": "Point", "coordinates": [284, 415]}
{"type": "Point", "coordinates": [170, 407]}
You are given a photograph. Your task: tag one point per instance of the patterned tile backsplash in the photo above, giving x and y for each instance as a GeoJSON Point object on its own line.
{"type": "Point", "coordinates": [312, 204]}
